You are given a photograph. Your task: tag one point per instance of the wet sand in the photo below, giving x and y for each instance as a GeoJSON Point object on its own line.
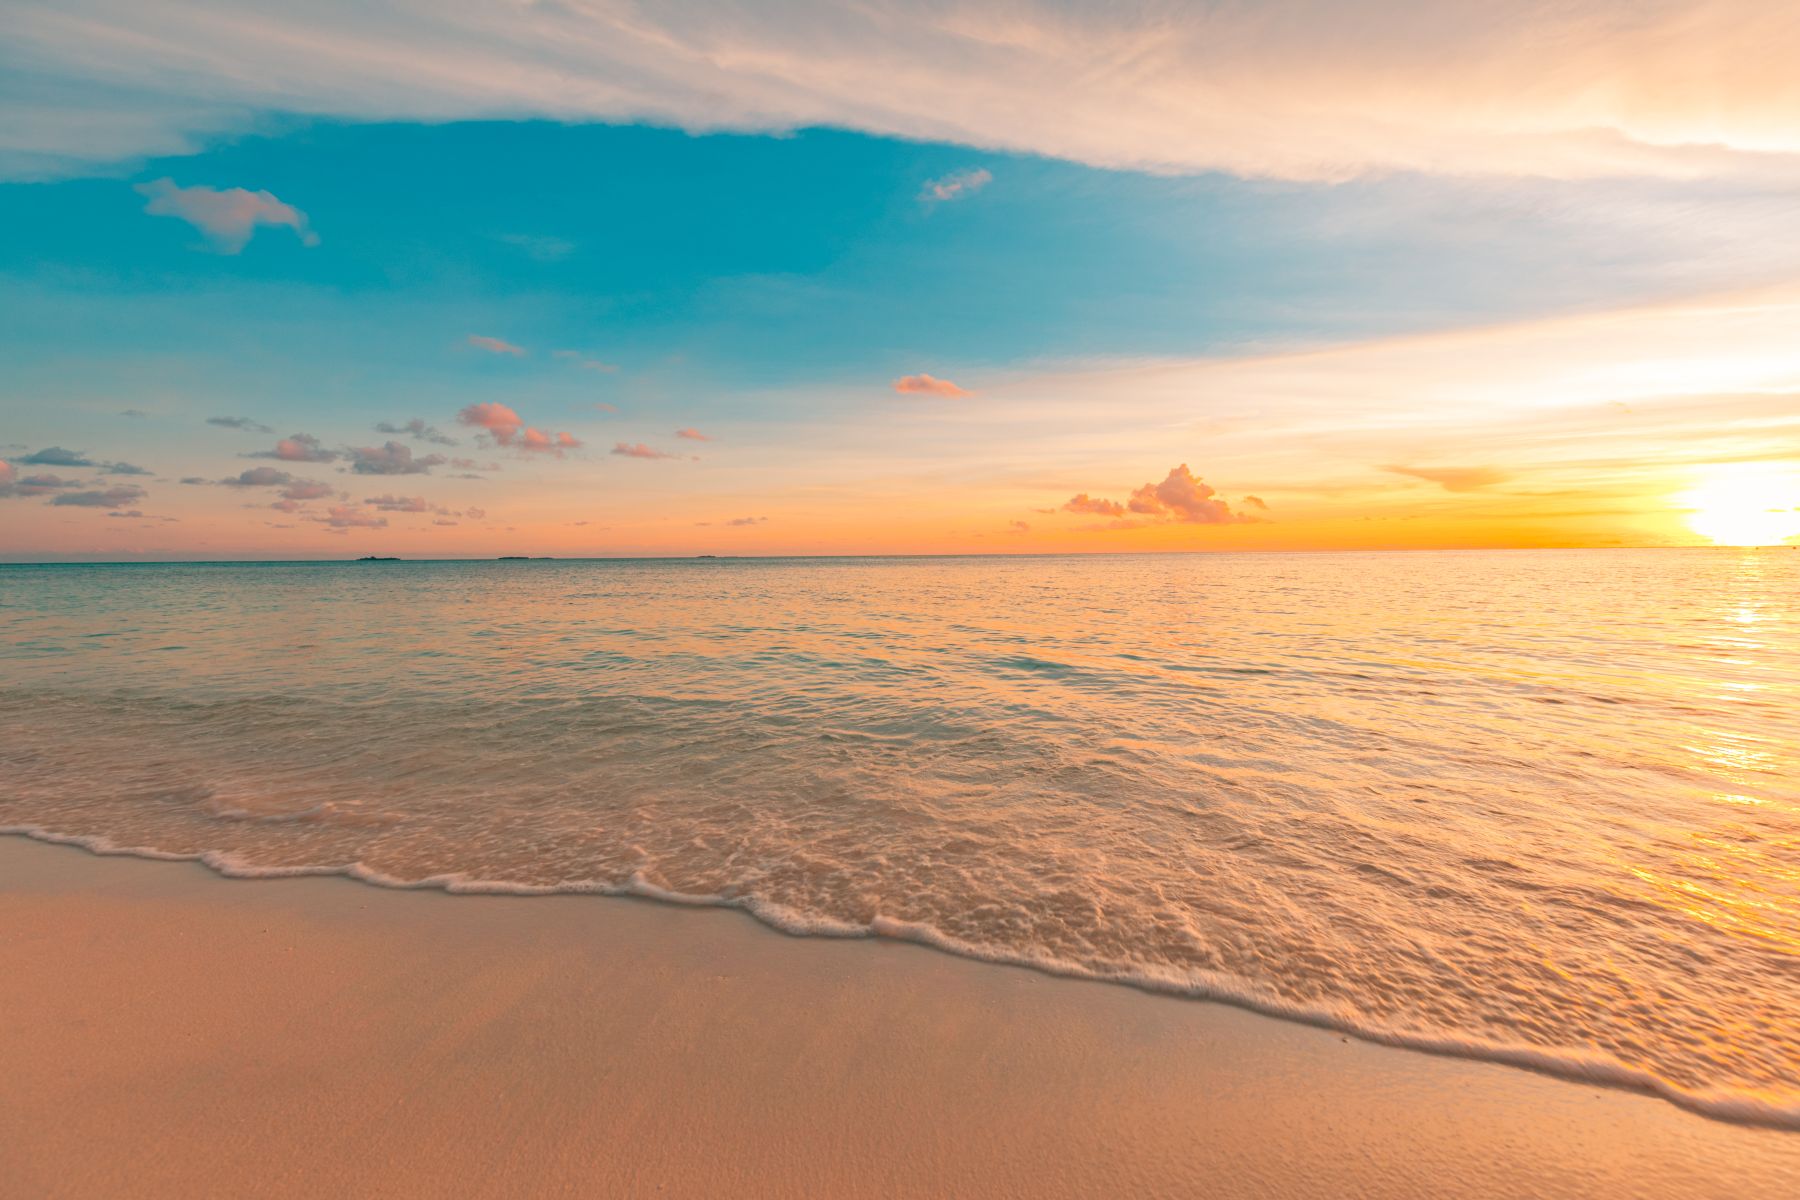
{"type": "Point", "coordinates": [166, 1032]}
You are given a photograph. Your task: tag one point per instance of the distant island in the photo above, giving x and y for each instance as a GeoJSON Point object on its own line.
{"type": "Point", "coordinates": [526, 557]}
{"type": "Point", "coordinates": [378, 558]}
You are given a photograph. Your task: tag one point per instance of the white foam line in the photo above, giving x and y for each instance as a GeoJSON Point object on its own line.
{"type": "Point", "coordinates": [1715, 1103]}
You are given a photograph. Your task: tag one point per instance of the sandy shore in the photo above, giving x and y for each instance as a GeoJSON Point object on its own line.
{"type": "Point", "coordinates": [166, 1032]}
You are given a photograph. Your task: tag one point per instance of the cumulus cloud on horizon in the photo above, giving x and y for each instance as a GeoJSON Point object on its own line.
{"type": "Point", "coordinates": [1181, 497]}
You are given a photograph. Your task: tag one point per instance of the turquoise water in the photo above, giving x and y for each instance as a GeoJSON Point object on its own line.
{"type": "Point", "coordinates": [1541, 807]}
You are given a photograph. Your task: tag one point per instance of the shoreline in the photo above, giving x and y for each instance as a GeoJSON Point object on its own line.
{"type": "Point", "coordinates": [1729, 1109]}
{"type": "Point", "coordinates": [171, 1030]}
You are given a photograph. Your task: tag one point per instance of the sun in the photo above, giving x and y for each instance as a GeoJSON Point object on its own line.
{"type": "Point", "coordinates": [1745, 504]}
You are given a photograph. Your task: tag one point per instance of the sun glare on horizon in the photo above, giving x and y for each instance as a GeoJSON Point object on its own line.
{"type": "Point", "coordinates": [1745, 504]}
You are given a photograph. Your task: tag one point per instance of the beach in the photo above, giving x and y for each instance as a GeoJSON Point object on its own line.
{"type": "Point", "coordinates": [169, 1032]}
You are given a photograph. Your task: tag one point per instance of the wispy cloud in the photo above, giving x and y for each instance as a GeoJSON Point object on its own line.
{"type": "Point", "coordinates": [1454, 479]}
{"type": "Point", "coordinates": [229, 218]}
{"type": "Point", "coordinates": [1085, 503]}
{"type": "Point", "coordinates": [955, 186]}
{"type": "Point", "coordinates": [494, 345]}
{"type": "Point", "coordinates": [114, 497]}
{"type": "Point", "coordinates": [692, 435]}
{"type": "Point", "coordinates": [391, 503]}
{"type": "Point", "coordinates": [56, 456]}
{"type": "Point", "coordinates": [243, 423]}
{"type": "Point", "coordinates": [927, 385]}
{"type": "Point", "coordinates": [418, 430]}
{"type": "Point", "coordinates": [639, 450]}
{"type": "Point", "coordinates": [1587, 87]}
{"type": "Point", "coordinates": [585, 362]}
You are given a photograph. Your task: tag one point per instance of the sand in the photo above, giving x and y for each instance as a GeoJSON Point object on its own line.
{"type": "Point", "coordinates": [167, 1032]}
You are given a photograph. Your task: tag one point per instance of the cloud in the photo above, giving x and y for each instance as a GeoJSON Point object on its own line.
{"type": "Point", "coordinates": [411, 504]}
{"type": "Point", "coordinates": [228, 218]}
{"type": "Point", "coordinates": [743, 521]}
{"type": "Point", "coordinates": [955, 186]}
{"type": "Point", "coordinates": [136, 414]}
{"type": "Point", "coordinates": [584, 362]}
{"type": "Point", "coordinates": [1454, 479]}
{"type": "Point", "coordinates": [602, 406]}
{"type": "Point", "coordinates": [258, 477]}
{"type": "Point", "coordinates": [299, 447]}
{"type": "Point", "coordinates": [307, 489]}
{"type": "Point", "coordinates": [392, 458]}
{"type": "Point", "coordinates": [1084, 503]}
{"type": "Point", "coordinates": [692, 435]}
{"type": "Point", "coordinates": [1257, 502]}
{"type": "Point", "coordinates": [114, 497]}
{"type": "Point", "coordinates": [123, 468]}
{"type": "Point", "coordinates": [343, 516]}
{"type": "Point", "coordinates": [418, 430]}
{"type": "Point", "coordinates": [499, 421]}
{"type": "Point", "coordinates": [541, 442]}
{"type": "Point", "coordinates": [926, 385]}
{"type": "Point", "coordinates": [1180, 497]}
{"type": "Point", "coordinates": [507, 428]}
{"type": "Point", "coordinates": [495, 346]}
{"type": "Point", "coordinates": [31, 485]}
{"type": "Point", "coordinates": [1301, 89]}
{"type": "Point", "coordinates": [1019, 526]}
{"type": "Point", "coordinates": [639, 450]}
{"type": "Point", "coordinates": [56, 456]}
{"type": "Point", "coordinates": [476, 514]}
{"type": "Point", "coordinates": [243, 423]}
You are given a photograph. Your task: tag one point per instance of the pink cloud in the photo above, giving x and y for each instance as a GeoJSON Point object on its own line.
{"type": "Point", "coordinates": [639, 450]}
{"type": "Point", "coordinates": [1181, 497]}
{"type": "Point", "coordinates": [299, 447]}
{"type": "Point", "coordinates": [476, 514]}
{"type": "Point", "coordinates": [343, 516]}
{"type": "Point", "coordinates": [602, 406]}
{"type": "Point", "coordinates": [926, 385]}
{"type": "Point", "coordinates": [228, 218]}
{"type": "Point", "coordinates": [508, 428]}
{"type": "Point", "coordinates": [1257, 502]}
{"type": "Point", "coordinates": [541, 442]}
{"type": "Point", "coordinates": [1088, 504]}
{"type": "Point", "coordinates": [692, 435]}
{"type": "Point", "coordinates": [495, 345]}
{"type": "Point", "coordinates": [307, 489]}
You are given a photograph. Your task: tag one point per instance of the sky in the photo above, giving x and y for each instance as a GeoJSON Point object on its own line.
{"type": "Point", "coordinates": [585, 277]}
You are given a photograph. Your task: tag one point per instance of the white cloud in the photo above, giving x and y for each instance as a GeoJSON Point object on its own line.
{"type": "Point", "coordinates": [1308, 89]}
{"type": "Point", "coordinates": [227, 217]}
{"type": "Point", "coordinates": [955, 186]}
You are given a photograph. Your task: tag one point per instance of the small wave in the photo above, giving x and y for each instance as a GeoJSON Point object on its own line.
{"type": "Point", "coordinates": [1715, 1103]}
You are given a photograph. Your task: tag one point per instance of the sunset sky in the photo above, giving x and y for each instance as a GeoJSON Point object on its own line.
{"type": "Point", "coordinates": [452, 278]}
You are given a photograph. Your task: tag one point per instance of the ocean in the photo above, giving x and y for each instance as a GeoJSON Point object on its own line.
{"type": "Point", "coordinates": [1541, 807]}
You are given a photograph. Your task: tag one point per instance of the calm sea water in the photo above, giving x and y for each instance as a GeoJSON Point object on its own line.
{"type": "Point", "coordinates": [1542, 807]}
